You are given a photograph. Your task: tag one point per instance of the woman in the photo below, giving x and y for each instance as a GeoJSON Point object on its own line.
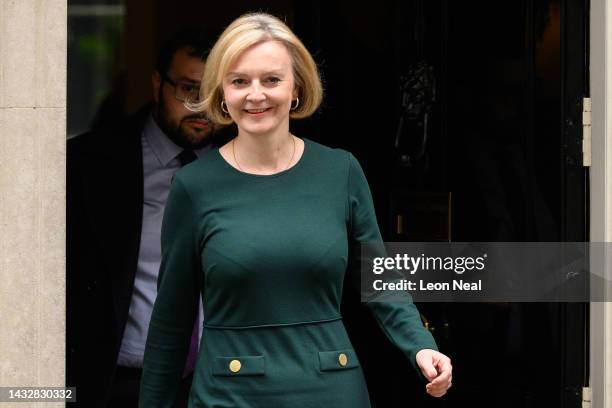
{"type": "Point", "coordinates": [261, 228]}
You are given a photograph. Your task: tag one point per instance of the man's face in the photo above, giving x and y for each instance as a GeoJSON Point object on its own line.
{"type": "Point", "coordinates": [187, 129]}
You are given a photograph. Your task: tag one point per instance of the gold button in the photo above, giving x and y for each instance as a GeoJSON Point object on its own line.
{"type": "Point", "coordinates": [235, 366]}
{"type": "Point", "coordinates": [342, 359]}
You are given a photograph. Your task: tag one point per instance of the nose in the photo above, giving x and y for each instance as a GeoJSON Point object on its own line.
{"type": "Point", "coordinates": [255, 93]}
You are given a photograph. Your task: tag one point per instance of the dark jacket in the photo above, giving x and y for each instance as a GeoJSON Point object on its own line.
{"type": "Point", "coordinates": [104, 216]}
{"type": "Point", "coordinates": [103, 226]}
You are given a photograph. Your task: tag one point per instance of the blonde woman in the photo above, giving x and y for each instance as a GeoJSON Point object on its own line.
{"type": "Point", "coordinates": [261, 229]}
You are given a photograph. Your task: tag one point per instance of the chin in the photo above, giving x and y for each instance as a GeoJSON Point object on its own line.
{"type": "Point", "coordinates": [192, 141]}
{"type": "Point", "coordinates": [258, 128]}
{"type": "Point", "coordinates": [195, 136]}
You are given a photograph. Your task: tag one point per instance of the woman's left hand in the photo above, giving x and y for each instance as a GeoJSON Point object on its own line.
{"type": "Point", "coordinates": [437, 368]}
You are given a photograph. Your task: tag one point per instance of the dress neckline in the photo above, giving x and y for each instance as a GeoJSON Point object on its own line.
{"type": "Point", "coordinates": [280, 173]}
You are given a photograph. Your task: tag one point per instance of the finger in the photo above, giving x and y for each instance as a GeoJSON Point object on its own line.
{"type": "Point", "coordinates": [429, 371]}
{"type": "Point", "coordinates": [444, 364]}
{"type": "Point", "coordinates": [440, 387]}
{"type": "Point", "coordinates": [427, 363]}
{"type": "Point", "coordinates": [444, 376]}
{"type": "Point", "coordinates": [437, 390]}
{"type": "Point", "coordinates": [443, 385]}
{"type": "Point", "coordinates": [436, 393]}
{"type": "Point", "coordinates": [436, 386]}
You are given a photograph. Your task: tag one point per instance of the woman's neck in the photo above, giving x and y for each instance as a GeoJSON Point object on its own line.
{"type": "Point", "coordinates": [271, 152]}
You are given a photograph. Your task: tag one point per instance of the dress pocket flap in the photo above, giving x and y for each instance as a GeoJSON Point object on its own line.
{"type": "Point", "coordinates": [337, 360]}
{"type": "Point", "coordinates": [240, 365]}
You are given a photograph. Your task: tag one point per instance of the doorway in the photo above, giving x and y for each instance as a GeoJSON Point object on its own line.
{"type": "Point", "coordinates": [467, 119]}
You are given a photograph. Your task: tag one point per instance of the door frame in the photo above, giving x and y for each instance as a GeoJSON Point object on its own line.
{"type": "Point", "coordinates": [600, 203]}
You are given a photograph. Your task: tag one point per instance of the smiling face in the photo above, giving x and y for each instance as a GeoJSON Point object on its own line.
{"type": "Point", "coordinates": [259, 87]}
{"type": "Point", "coordinates": [185, 128]}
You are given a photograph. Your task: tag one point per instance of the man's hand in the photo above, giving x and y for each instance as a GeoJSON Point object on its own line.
{"type": "Point", "coordinates": [437, 368]}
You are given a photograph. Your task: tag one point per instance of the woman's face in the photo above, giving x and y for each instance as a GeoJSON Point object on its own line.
{"type": "Point", "coordinates": [259, 87]}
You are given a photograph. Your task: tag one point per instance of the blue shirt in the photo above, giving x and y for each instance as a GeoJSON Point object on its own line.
{"type": "Point", "coordinates": [160, 162]}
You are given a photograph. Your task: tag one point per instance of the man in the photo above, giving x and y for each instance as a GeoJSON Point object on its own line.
{"type": "Point", "coordinates": [117, 185]}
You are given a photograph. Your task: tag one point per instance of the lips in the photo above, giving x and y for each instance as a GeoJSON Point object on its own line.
{"type": "Point", "coordinates": [256, 112]}
{"type": "Point", "coordinates": [198, 123]}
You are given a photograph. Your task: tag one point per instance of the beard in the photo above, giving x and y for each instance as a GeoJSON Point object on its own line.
{"type": "Point", "coordinates": [179, 131]}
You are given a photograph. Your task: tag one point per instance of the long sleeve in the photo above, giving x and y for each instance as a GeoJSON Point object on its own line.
{"type": "Point", "coordinates": [175, 307]}
{"type": "Point", "coordinates": [400, 321]}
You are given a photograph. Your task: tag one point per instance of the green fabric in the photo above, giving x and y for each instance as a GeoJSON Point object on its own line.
{"type": "Point", "coordinates": [249, 365]}
{"type": "Point", "coordinates": [269, 255]}
{"type": "Point", "coordinates": [329, 360]}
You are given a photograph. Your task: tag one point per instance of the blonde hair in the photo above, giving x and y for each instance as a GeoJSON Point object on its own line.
{"type": "Point", "coordinates": [241, 34]}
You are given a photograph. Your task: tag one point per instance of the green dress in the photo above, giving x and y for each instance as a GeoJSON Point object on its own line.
{"type": "Point", "coordinates": [269, 255]}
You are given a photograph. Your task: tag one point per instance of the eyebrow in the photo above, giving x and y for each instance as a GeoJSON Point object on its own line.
{"type": "Point", "coordinates": [187, 79]}
{"type": "Point", "coordinates": [274, 71]}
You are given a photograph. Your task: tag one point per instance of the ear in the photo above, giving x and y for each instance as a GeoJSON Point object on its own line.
{"type": "Point", "coordinates": [156, 82]}
{"type": "Point", "coordinates": [295, 93]}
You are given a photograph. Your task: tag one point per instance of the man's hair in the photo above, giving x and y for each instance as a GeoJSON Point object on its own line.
{"type": "Point", "coordinates": [196, 41]}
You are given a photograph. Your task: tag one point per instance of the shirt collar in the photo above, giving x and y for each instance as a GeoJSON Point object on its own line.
{"type": "Point", "coordinates": [164, 149]}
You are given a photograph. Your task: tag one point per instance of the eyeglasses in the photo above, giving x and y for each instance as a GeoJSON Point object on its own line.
{"type": "Point", "coordinates": [184, 91]}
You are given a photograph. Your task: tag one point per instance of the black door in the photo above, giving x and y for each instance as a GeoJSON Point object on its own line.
{"type": "Point", "coordinates": [466, 117]}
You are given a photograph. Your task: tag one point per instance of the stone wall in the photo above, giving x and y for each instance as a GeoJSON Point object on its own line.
{"type": "Point", "coordinates": [32, 193]}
